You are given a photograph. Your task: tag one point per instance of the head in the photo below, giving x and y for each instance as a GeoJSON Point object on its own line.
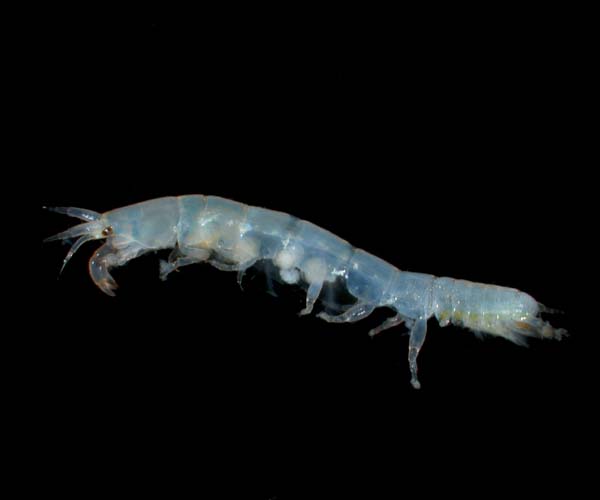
{"type": "Point", "coordinates": [130, 231]}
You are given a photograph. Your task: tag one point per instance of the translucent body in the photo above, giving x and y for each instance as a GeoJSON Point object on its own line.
{"type": "Point", "coordinates": [232, 236]}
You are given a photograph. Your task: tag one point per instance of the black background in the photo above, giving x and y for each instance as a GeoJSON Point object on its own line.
{"type": "Point", "coordinates": [441, 148]}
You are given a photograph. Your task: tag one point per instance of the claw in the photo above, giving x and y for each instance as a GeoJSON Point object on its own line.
{"type": "Point", "coordinates": [99, 265]}
{"type": "Point", "coordinates": [108, 286]}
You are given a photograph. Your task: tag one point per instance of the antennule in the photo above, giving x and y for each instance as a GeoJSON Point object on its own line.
{"type": "Point", "coordinates": [79, 213]}
{"type": "Point", "coordinates": [73, 232]}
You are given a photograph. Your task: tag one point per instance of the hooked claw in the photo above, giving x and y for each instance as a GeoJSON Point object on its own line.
{"type": "Point", "coordinates": [108, 286]}
{"type": "Point", "coordinates": [100, 263]}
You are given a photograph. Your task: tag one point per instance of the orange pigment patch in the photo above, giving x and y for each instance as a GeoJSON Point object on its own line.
{"type": "Point", "coordinates": [524, 326]}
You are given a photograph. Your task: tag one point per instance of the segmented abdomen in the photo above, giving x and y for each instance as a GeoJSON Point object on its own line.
{"type": "Point", "coordinates": [492, 309]}
{"type": "Point", "coordinates": [238, 233]}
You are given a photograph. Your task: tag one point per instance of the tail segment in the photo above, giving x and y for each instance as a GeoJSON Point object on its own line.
{"type": "Point", "coordinates": [517, 328]}
{"type": "Point", "coordinates": [518, 331]}
{"type": "Point", "coordinates": [494, 310]}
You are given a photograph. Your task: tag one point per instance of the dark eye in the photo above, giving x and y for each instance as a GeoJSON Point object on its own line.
{"type": "Point", "coordinates": [107, 231]}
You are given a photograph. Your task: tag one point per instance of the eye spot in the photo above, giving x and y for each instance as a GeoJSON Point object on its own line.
{"type": "Point", "coordinates": [107, 231]}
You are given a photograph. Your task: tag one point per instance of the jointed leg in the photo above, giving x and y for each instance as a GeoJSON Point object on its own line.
{"type": "Point", "coordinates": [101, 261]}
{"type": "Point", "coordinates": [179, 258]}
{"type": "Point", "coordinates": [417, 337]}
{"type": "Point", "coordinates": [107, 257]}
{"type": "Point", "coordinates": [240, 268]}
{"type": "Point", "coordinates": [312, 294]}
{"type": "Point", "coordinates": [356, 312]}
{"type": "Point", "coordinates": [388, 323]}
